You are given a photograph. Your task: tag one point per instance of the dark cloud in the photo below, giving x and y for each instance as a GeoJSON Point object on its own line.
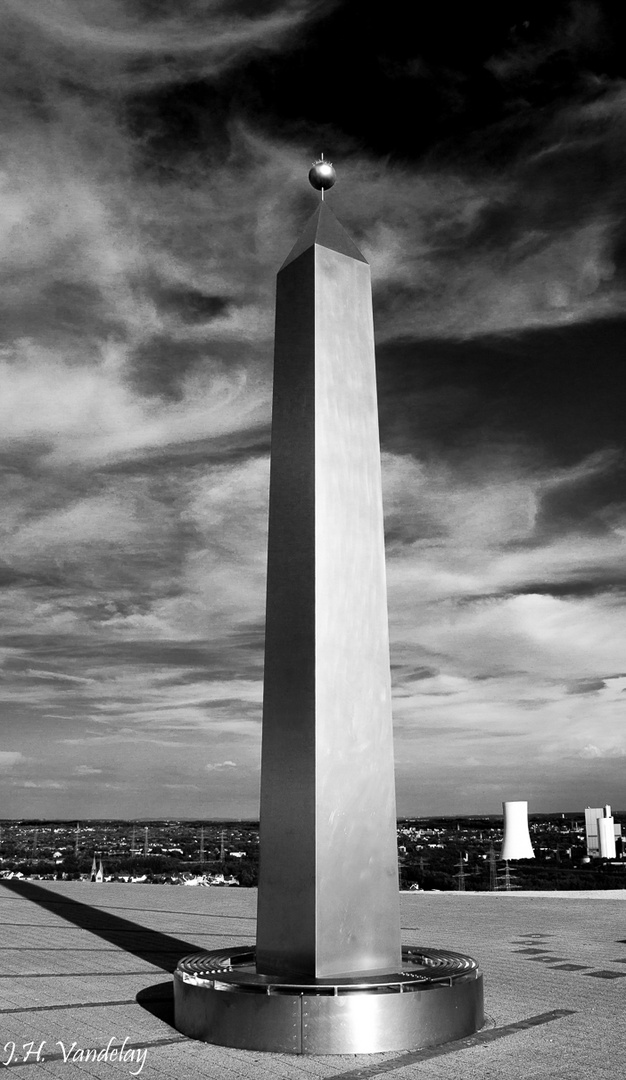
{"type": "Point", "coordinates": [160, 364]}
{"type": "Point", "coordinates": [415, 674]}
{"type": "Point", "coordinates": [596, 587]}
{"type": "Point", "coordinates": [554, 393]}
{"type": "Point", "coordinates": [214, 659]}
{"type": "Point", "coordinates": [586, 686]}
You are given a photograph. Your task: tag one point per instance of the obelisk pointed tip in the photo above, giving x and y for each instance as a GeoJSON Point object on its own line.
{"type": "Point", "coordinates": [323, 229]}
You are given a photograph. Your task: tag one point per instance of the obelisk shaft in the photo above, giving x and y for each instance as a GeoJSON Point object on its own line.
{"type": "Point", "coordinates": [328, 888]}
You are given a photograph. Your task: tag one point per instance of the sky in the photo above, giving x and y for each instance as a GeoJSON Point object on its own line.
{"type": "Point", "coordinates": [153, 178]}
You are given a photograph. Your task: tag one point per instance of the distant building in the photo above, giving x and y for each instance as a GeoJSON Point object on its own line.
{"type": "Point", "coordinates": [97, 871]}
{"type": "Point", "coordinates": [600, 832]}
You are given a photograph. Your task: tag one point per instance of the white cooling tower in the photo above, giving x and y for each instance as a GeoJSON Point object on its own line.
{"type": "Point", "coordinates": [516, 843]}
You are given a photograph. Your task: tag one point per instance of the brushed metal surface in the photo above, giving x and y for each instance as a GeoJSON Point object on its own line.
{"type": "Point", "coordinates": [328, 886]}
{"type": "Point", "coordinates": [349, 1021]}
{"type": "Point", "coordinates": [381, 1022]}
{"type": "Point", "coordinates": [323, 229]}
{"type": "Point", "coordinates": [286, 904]}
{"type": "Point", "coordinates": [244, 1021]}
{"type": "Point", "coordinates": [356, 813]}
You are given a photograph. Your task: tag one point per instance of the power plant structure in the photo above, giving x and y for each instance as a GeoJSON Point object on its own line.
{"type": "Point", "coordinates": [516, 843]}
{"type": "Point", "coordinates": [600, 832]}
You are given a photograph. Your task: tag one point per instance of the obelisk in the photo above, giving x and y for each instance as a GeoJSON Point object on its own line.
{"type": "Point", "coordinates": [328, 885]}
{"type": "Point", "coordinates": [327, 974]}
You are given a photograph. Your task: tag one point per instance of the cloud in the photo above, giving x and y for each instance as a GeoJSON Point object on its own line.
{"type": "Point", "coordinates": [519, 278]}
{"type": "Point", "coordinates": [607, 752]}
{"type": "Point", "coordinates": [586, 686]}
{"type": "Point", "coordinates": [490, 527]}
{"type": "Point", "coordinates": [8, 758]}
{"type": "Point", "coordinates": [88, 415]}
{"type": "Point", "coordinates": [44, 785]}
{"type": "Point", "coordinates": [221, 765]}
{"type": "Point", "coordinates": [478, 651]}
{"type": "Point", "coordinates": [56, 676]}
{"type": "Point", "coordinates": [531, 243]}
{"type": "Point", "coordinates": [570, 33]}
{"type": "Point", "coordinates": [114, 38]}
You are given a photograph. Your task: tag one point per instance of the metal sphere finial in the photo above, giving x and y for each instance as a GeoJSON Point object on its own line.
{"type": "Point", "coordinates": [322, 176]}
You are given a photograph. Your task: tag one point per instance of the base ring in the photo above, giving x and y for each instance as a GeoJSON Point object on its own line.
{"type": "Point", "coordinates": [220, 998]}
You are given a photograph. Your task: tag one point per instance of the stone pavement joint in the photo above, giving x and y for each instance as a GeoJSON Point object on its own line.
{"type": "Point", "coordinates": [71, 1005]}
{"type": "Point", "coordinates": [72, 975]}
{"type": "Point", "coordinates": [605, 974]}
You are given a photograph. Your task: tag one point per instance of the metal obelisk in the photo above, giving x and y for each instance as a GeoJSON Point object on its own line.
{"type": "Point", "coordinates": [328, 886]}
{"type": "Point", "coordinates": [328, 974]}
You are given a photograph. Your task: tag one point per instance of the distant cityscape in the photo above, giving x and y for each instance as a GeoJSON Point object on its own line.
{"type": "Point", "coordinates": [435, 853]}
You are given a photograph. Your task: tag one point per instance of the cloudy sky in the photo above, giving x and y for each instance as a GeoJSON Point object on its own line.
{"type": "Point", "coordinates": [153, 178]}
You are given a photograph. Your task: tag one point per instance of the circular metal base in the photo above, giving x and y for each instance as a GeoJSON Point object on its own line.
{"type": "Point", "coordinates": [219, 997]}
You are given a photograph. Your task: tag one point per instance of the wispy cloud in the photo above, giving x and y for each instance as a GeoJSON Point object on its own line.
{"type": "Point", "coordinates": [143, 48]}
{"type": "Point", "coordinates": [56, 676]}
{"type": "Point", "coordinates": [88, 415]}
{"type": "Point", "coordinates": [43, 785]}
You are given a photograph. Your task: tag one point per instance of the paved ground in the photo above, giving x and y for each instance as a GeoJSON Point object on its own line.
{"type": "Point", "coordinates": [85, 967]}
